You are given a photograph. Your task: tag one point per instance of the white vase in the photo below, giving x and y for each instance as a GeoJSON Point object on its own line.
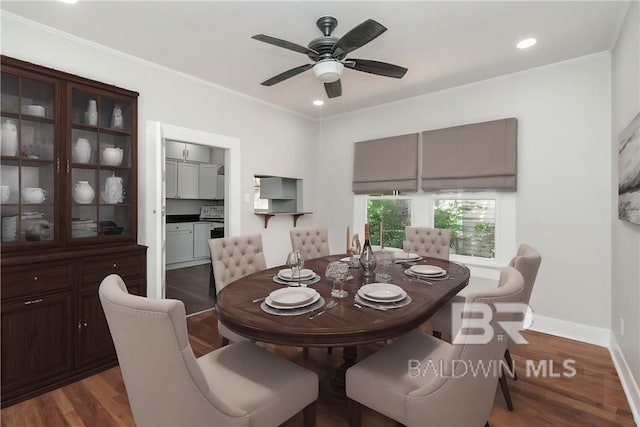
{"type": "Point", "coordinates": [9, 138]}
{"type": "Point", "coordinates": [113, 190]}
{"type": "Point", "coordinates": [92, 113]}
{"type": "Point", "coordinates": [82, 151]}
{"type": "Point", "coordinates": [83, 193]}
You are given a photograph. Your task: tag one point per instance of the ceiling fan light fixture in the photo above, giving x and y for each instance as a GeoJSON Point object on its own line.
{"type": "Point", "coordinates": [328, 71]}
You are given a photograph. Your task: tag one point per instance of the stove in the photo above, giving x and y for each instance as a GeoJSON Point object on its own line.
{"type": "Point", "coordinates": [212, 214]}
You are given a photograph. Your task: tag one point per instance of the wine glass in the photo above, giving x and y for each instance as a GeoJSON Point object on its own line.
{"type": "Point", "coordinates": [293, 261]}
{"type": "Point", "coordinates": [299, 264]}
{"type": "Point", "coordinates": [337, 272]}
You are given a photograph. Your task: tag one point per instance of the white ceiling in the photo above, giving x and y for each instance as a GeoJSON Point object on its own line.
{"type": "Point", "coordinates": [442, 43]}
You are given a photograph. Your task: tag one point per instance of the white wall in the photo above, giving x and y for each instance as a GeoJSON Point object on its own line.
{"type": "Point", "coordinates": [564, 171]}
{"type": "Point", "coordinates": [625, 279]}
{"type": "Point", "coordinates": [270, 137]}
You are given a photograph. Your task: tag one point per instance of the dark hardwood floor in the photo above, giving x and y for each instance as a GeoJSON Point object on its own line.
{"type": "Point", "coordinates": [593, 397]}
{"type": "Point", "coordinates": [191, 286]}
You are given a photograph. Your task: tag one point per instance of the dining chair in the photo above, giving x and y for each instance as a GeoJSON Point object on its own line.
{"type": "Point", "coordinates": [420, 380]}
{"type": "Point", "coordinates": [237, 385]}
{"type": "Point", "coordinates": [233, 258]}
{"type": "Point", "coordinates": [311, 242]}
{"type": "Point", "coordinates": [427, 242]}
{"type": "Point", "coordinates": [527, 261]}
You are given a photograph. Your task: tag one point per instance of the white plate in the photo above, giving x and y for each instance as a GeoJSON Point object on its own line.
{"type": "Point", "coordinates": [305, 282]}
{"type": "Point", "coordinates": [428, 270]}
{"type": "Point", "coordinates": [292, 297]}
{"type": "Point", "coordinates": [382, 292]}
{"type": "Point", "coordinates": [405, 255]}
{"type": "Point", "coordinates": [286, 274]}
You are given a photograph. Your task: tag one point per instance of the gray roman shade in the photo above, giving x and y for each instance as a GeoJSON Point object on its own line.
{"type": "Point", "coordinates": [385, 165]}
{"type": "Point", "coordinates": [479, 156]}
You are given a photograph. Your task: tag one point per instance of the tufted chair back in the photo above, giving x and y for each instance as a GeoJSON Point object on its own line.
{"type": "Point", "coordinates": [312, 242]}
{"type": "Point", "coordinates": [235, 257]}
{"type": "Point", "coordinates": [427, 242]}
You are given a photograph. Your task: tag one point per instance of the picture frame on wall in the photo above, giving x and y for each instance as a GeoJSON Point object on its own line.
{"type": "Point", "coordinates": [629, 172]}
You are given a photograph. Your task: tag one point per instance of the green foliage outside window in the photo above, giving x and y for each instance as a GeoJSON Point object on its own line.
{"type": "Point", "coordinates": [394, 214]}
{"type": "Point", "coordinates": [472, 225]}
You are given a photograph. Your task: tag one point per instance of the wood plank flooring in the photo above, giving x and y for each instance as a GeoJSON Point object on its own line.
{"type": "Point", "coordinates": [191, 286]}
{"type": "Point", "coordinates": [594, 397]}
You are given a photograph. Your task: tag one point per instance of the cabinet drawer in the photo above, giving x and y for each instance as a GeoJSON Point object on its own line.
{"type": "Point", "coordinates": [35, 279]}
{"type": "Point", "coordinates": [180, 226]}
{"type": "Point", "coordinates": [130, 265]}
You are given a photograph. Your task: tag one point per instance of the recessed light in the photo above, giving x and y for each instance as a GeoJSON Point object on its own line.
{"type": "Point", "coordinates": [318, 102]}
{"type": "Point", "coordinates": [69, 1]}
{"type": "Point", "coordinates": [526, 43]}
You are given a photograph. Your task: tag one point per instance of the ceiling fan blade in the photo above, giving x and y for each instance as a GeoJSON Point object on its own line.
{"type": "Point", "coordinates": [376, 67]}
{"type": "Point", "coordinates": [357, 37]}
{"type": "Point", "coordinates": [287, 74]}
{"type": "Point", "coordinates": [285, 44]}
{"type": "Point", "coordinates": [333, 89]}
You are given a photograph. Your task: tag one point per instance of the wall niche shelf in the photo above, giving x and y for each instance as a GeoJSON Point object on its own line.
{"type": "Point", "coordinates": [268, 215]}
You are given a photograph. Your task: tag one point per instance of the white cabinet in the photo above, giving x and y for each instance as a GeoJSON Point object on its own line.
{"type": "Point", "coordinates": [171, 180]}
{"type": "Point", "coordinates": [188, 152]}
{"type": "Point", "coordinates": [179, 242]}
{"type": "Point", "coordinates": [201, 236]}
{"type": "Point", "coordinates": [188, 175]}
{"type": "Point", "coordinates": [182, 180]}
{"type": "Point", "coordinates": [208, 182]}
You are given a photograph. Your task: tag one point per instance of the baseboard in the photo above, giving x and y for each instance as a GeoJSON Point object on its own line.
{"type": "Point", "coordinates": [629, 384]}
{"type": "Point", "coordinates": [571, 330]}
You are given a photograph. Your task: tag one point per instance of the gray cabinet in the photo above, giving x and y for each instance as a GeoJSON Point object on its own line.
{"type": "Point", "coordinates": [188, 152]}
{"type": "Point", "coordinates": [208, 182]}
{"type": "Point", "coordinates": [179, 242]}
{"type": "Point", "coordinates": [182, 180]}
{"type": "Point", "coordinates": [281, 192]}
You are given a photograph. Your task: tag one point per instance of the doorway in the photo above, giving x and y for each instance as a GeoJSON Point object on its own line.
{"type": "Point", "coordinates": [154, 217]}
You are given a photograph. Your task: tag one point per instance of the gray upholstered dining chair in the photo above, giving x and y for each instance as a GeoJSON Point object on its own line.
{"type": "Point", "coordinates": [312, 242]}
{"type": "Point", "coordinates": [237, 385]}
{"type": "Point", "coordinates": [233, 258]}
{"type": "Point", "coordinates": [427, 242]}
{"type": "Point", "coordinates": [419, 380]}
{"type": "Point", "coordinates": [527, 262]}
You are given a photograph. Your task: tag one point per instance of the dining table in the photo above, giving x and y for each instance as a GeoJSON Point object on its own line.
{"type": "Point", "coordinates": [239, 306]}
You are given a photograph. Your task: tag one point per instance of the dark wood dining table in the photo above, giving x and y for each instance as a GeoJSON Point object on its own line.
{"type": "Point", "coordinates": [346, 325]}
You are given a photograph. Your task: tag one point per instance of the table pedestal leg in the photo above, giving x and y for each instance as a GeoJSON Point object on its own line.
{"type": "Point", "coordinates": [349, 355]}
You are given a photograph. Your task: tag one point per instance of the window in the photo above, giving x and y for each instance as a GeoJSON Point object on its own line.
{"type": "Point", "coordinates": [393, 215]}
{"type": "Point", "coordinates": [472, 224]}
{"type": "Point", "coordinates": [482, 224]}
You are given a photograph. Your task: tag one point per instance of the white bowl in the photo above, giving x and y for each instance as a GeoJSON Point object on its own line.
{"type": "Point", "coordinates": [33, 110]}
{"type": "Point", "coordinates": [112, 156]}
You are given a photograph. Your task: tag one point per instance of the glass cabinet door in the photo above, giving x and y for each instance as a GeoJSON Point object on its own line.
{"type": "Point", "coordinates": [29, 166]}
{"type": "Point", "coordinates": [101, 167]}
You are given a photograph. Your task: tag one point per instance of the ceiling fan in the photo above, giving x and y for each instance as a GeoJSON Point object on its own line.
{"type": "Point", "coordinates": [329, 54]}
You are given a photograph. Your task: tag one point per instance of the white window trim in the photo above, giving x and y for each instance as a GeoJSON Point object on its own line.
{"type": "Point", "coordinates": [422, 216]}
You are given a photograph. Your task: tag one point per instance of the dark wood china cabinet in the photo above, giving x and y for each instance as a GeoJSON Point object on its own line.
{"type": "Point", "coordinates": [68, 181]}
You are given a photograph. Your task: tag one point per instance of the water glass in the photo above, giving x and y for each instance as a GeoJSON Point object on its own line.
{"type": "Point", "coordinates": [385, 261]}
{"type": "Point", "coordinates": [337, 272]}
{"type": "Point", "coordinates": [295, 262]}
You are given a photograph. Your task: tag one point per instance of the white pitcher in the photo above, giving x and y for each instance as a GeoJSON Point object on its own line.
{"type": "Point", "coordinates": [113, 190]}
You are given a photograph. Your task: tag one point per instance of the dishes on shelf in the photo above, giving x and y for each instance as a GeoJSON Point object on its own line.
{"type": "Point", "coordinates": [34, 110]}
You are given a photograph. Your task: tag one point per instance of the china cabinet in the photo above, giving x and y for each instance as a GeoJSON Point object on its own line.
{"type": "Point", "coordinates": [68, 167]}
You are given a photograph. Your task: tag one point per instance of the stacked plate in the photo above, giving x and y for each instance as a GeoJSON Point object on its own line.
{"type": "Point", "coordinates": [402, 256]}
{"type": "Point", "coordinates": [288, 276]}
{"type": "Point", "coordinates": [292, 301]}
{"type": "Point", "coordinates": [430, 272]}
{"type": "Point", "coordinates": [382, 296]}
